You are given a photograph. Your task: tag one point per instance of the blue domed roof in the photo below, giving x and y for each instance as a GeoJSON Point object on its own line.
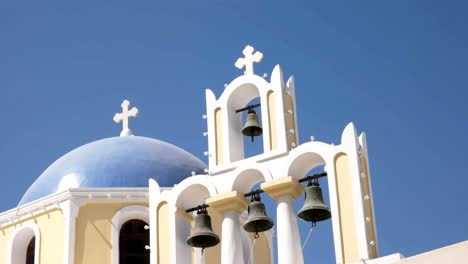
{"type": "Point", "coordinates": [116, 162]}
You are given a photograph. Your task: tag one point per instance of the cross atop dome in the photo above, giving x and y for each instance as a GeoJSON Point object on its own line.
{"type": "Point", "coordinates": [124, 117]}
{"type": "Point", "coordinates": [248, 60]}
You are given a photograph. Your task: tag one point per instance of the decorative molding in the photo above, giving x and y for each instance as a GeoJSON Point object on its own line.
{"type": "Point", "coordinates": [25, 211]}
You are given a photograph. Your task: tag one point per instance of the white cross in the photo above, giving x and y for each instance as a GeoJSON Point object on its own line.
{"type": "Point", "coordinates": [124, 116]}
{"type": "Point", "coordinates": [249, 59]}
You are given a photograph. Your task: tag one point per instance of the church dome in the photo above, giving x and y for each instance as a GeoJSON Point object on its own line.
{"type": "Point", "coordinates": [116, 162]}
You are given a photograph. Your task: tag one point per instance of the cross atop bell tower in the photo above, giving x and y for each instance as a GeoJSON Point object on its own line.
{"type": "Point", "coordinates": [249, 59]}
{"type": "Point", "coordinates": [124, 118]}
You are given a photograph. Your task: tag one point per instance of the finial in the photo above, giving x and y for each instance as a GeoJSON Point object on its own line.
{"type": "Point", "coordinates": [249, 59]}
{"type": "Point", "coordinates": [124, 117]}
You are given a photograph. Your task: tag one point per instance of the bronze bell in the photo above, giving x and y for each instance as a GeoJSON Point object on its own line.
{"type": "Point", "coordinates": [314, 209]}
{"type": "Point", "coordinates": [252, 128]}
{"type": "Point", "coordinates": [257, 219]}
{"type": "Point", "coordinates": [202, 235]}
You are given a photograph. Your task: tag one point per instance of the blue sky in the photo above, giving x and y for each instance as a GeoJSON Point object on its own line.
{"type": "Point", "coordinates": [397, 69]}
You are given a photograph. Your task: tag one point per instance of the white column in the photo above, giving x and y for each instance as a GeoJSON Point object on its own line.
{"type": "Point", "coordinates": [230, 205]}
{"type": "Point", "coordinates": [70, 212]}
{"type": "Point", "coordinates": [289, 239]}
{"type": "Point", "coordinates": [231, 246]}
{"type": "Point", "coordinates": [181, 253]}
{"type": "Point", "coordinates": [285, 190]}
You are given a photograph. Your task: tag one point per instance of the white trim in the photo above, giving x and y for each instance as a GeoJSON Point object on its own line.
{"type": "Point", "coordinates": [154, 194]}
{"type": "Point", "coordinates": [350, 142]}
{"type": "Point", "coordinates": [365, 154]}
{"type": "Point", "coordinates": [19, 241]}
{"type": "Point", "coordinates": [125, 214]}
{"type": "Point", "coordinates": [137, 194]}
{"type": "Point", "coordinates": [335, 210]}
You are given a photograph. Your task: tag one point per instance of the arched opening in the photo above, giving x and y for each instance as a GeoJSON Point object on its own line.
{"type": "Point", "coordinates": [191, 193]}
{"type": "Point", "coordinates": [132, 241]}
{"type": "Point", "coordinates": [23, 245]}
{"type": "Point", "coordinates": [240, 146]}
{"type": "Point", "coordinates": [30, 251]}
{"type": "Point", "coordinates": [319, 244]}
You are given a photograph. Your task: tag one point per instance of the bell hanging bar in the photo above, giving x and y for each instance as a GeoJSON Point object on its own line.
{"type": "Point", "coordinates": [314, 210]}
{"type": "Point", "coordinates": [252, 193]}
{"type": "Point", "coordinates": [197, 208]}
{"type": "Point", "coordinates": [315, 176]}
{"type": "Point", "coordinates": [307, 178]}
{"type": "Point", "coordinates": [247, 108]}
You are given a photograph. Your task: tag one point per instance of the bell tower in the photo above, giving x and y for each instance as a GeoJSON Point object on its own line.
{"type": "Point", "coordinates": [278, 114]}
{"type": "Point", "coordinates": [288, 161]}
{"type": "Point", "coordinates": [211, 219]}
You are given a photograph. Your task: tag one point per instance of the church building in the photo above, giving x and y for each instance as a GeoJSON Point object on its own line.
{"type": "Point", "coordinates": [137, 200]}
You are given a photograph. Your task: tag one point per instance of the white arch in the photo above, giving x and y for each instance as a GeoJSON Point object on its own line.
{"type": "Point", "coordinates": [188, 193]}
{"type": "Point", "coordinates": [125, 214]}
{"type": "Point", "coordinates": [253, 80]}
{"type": "Point", "coordinates": [191, 190]}
{"type": "Point", "coordinates": [19, 241]}
{"type": "Point", "coordinates": [306, 157]}
{"type": "Point", "coordinates": [246, 177]}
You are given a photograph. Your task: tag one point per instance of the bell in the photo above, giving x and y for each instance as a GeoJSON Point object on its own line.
{"type": "Point", "coordinates": [257, 219]}
{"type": "Point", "coordinates": [314, 209]}
{"type": "Point", "coordinates": [202, 234]}
{"type": "Point", "coordinates": [252, 128]}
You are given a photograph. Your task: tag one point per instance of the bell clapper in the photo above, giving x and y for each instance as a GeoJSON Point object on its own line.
{"type": "Point", "coordinates": [251, 111]}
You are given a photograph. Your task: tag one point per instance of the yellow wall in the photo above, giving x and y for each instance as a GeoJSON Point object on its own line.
{"type": "Point", "coordinates": [219, 136]}
{"type": "Point", "coordinates": [51, 228]}
{"type": "Point", "coordinates": [350, 250]}
{"type": "Point", "coordinates": [93, 238]}
{"type": "Point", "coordinates": [163, 233]}
{"type": "Point", "coordinates": [272, 118]}
{"type": "Point", "coordinates": [4, 236]}
{"type": "Point", "coordinates": [261, 251]}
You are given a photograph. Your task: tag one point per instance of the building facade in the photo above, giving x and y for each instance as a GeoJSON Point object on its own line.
{"type": "Point", "coordinates": [131, 199]}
